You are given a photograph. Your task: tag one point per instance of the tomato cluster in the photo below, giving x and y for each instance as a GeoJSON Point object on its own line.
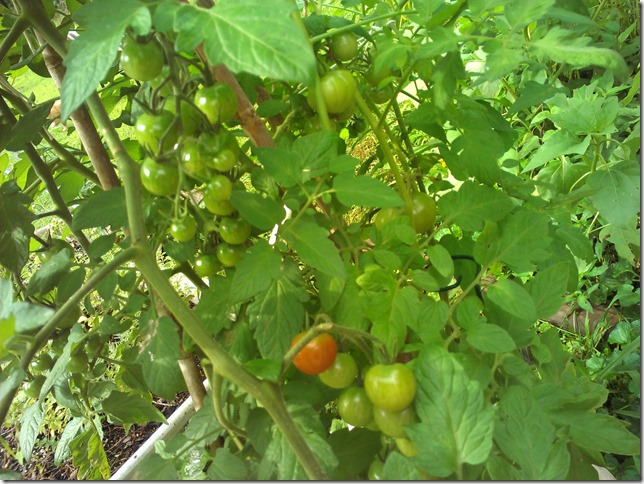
{"type": "Point", "coordinates": [189, 154]}
{"type": "Point", "coordinates": [383, 403]}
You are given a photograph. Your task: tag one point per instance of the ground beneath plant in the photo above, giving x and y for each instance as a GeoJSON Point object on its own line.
{"type": "Point", "coordinates": [119, 446]}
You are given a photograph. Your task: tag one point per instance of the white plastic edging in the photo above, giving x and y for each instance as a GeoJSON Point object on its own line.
{"type": "Point", "coordinates": [176, 422]}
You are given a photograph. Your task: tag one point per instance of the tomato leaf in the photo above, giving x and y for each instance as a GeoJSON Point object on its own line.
{"type": "Point", "coordinates": [314, 247]}
{"type": "Point", "coordinates": [27, 129]}
{"type": "Point", "coordinates": [159, 360]}
{"type": "Point", "coordinates": [525, 436]}
{"type": "Point", "coordinates": [257, 210]}
{"type": "Point", "coordinates": [355, 449]}
{"type": "Point", "coordinates": [362, 190]}
{"type": "Point", "coordinates": [271, 42]}
{"type": "Point", "coordinates": [618, 198]}
{"type": "Point", "coordinates": [92, 54]}
{"type": "Point", "coordinates": [255, 271]}
{"type": "Point", "coordinates": [102, 209]}
{"type": "Point", "coordinates": [513, 299]}
{"type": "Point", "coordinates": [547, 289]}
{"type": "Point", "coordinates": [89, 457]}
{"type": "Point", "coordinates": [15, 227]}
{"type": "Point", "coordinates": [131, 408]}
{"type": "Point", "coordinates": [29, 429]}
{"type": "Point", "coordinates": [490, 338]}
{"type": "Point", "coordinates": [456, 423]}
{"type": "Point", "coordinates": [226, 466]}
{"type": "Point", "coordinates": [399, 468]}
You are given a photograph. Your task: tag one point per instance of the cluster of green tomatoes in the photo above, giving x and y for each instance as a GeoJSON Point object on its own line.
{"type": "Point", "coordinates": [189, 149]}
{"type": "Point", "coordinates": [384, 402]}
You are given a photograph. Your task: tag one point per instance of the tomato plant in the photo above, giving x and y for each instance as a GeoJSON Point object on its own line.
{"type": "Point", "coordinates": [317, 356]}
{"type": "Point", "coordinates": [141, 60]}
{"type": "Point", "coordinates": [354, 407]}
{"type": "Point", "coordinates": [341, 373]}
{"type": "Point", "coordinates": [390, 387]}
{"type": "Point", "coordinates": [159, 178]}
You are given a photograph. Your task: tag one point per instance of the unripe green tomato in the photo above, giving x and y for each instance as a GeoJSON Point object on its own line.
{"type": "Point", "coordinates": [229, 255]}
{"type": "Point", "coordinates": [338, 90]}
{"type": "Point", "coordinates": [234, 230]}
{"type": "Point", "coordinates": [192, 161]}
{"type": "Point", "coordinates": [185, 229]}
{"type": "Point", "coordinates": [344, 46]}
{"type": "Point", "coordinates": [43, 363]}
{"type": "Point", "coordinates": [141, 61]}
{"type": "Point", "coordinates": [354, 407]}
{"type": "Point", "coordinates": [159, 179]}
{"type": "Point", "coordinates": [390, 387]}
{"type": "Point", "coordinates": [219, 207]}
{"type": "Point", "coordinates": [375, 470]}
{"type": "Point", "coordinates": [385, 216]}
{"type": "Point", "coordinates": [342, 372]}
{"type": "Point", "coordinates": [32, 389]}
{"type": "Point", "coordinates": [213, 143]}
{"type": "Point", "coordinates": [190, 116]}
{"type": "Point", "coordinates": [423, 212]}
{"type": "Point", "coordinates": [150, 128]}
{"type": "Point", "coordinates": [207, 265]}
{"type": "Point", "coordinates": [393, 423]}
{"type": "Point", "coordinates": [218, 188]}
{"type": "Point", "coordinates": [406, 447]}
{"type": "Point", "coordinates": [218, 102]}
{"type": "Point", "coordinates": [223, 161]}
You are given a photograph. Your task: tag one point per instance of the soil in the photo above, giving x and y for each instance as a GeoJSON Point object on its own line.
{"type": "Point", "coordinates": [118, 445]}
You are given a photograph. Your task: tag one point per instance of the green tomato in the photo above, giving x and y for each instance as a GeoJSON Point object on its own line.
{"type": "Point", "coordinates": [32, 389]}
{"type": "Point", "coordinates": [229, 255]}
{"type": "Point", "coordinates": [385, 216]}
{"type": "Point", "coordinates": [406, 447]}
{"type": "Point", "coordinates": [423, 212]}
{"type": "Point", "coordinates": [141, 61]}
{"type": "Point", "coordinates": [344, 46]}
{"type": "Point", "coordinates": [224, 161]}
{"type": "Point", "coordinates": [393, 423]}
{"type": "Point", "coordinates": [338, 90]}
{"type": "Point", "coordinates": [219, 207]}
{"type": "Point", "coordinates": [185, 229]}
{"type": "Point", "coordinates": [381, 96]}
{"type": "Point", "coordinates": [234, 230]}
{"type": "Point", "coordinates": [190, 115]}
{"type": "Point", "coordinates": [151, 128]}
{"type": "Point", "coordinates": [218, 102]}
{"type": "Point", "coordinates": [390, 387]}
{"type": "Point", "coordinates": [78, 363]}
{"type": "Point", "coordinates": [354, 407]}
{"type": "Point", "coordinates": [342, 372]}
{"type": "Point", "coordinates": [218, 188]}
{"type": "Point", "coordinates": [192, 160]}
{"type": "Point", "coordinates": [43, 363]}
{"type": "Point", "coordinates": [207, 265]}
{"type": "Point", "coordinates": [375, 470]}
{"type": "Point", "coordinates": [159, 179]}
{"type": "Point", "coordinates": [213, 143]}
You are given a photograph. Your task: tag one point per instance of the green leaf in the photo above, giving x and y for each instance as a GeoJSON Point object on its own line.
{"type": "Point", "coordinates": [362, 190]}
{"type": "Point", "coordinates": [399, 468]}
{"type": "Point", "coordinates": [27, 129]}
{"type": "Point", "coordinates": [160, 358]}
{"type": "Point", "coordinates": [557, 143]}
{"type": "Point", "coordinates": [330, 289]}
{"type": "Point", "coordinates": [226, 466]}
{"type": "Point", "coordinates": [473, 204]}
{"type": "Point", "coordinates": [256, 270]}
{"type": "Point", "coordinates": [519, 13]}
{"type": "Point", "coordinates": [432, 318]}
{"type": "Point", "coordinates": [155, 468]}
{"type": "Point", "coordinates": [547, 289]}
{"type": "Point", "coordinates": [101, 245]}
{"type": "Point", "coordinates": [312, 154]}
{"type": "Point", "coordinates": [258, 210]}
{"type": "Point", "coordinates": [355, 449]}
{"type": "Point", "coordinates": [130, 408]}
{"type": "Point", "coordinates": [443, 40]}
{"type": "Point", "coordinates": [15, 229]}
{"type": "Point", "coordinates": [626, 240]}
{"type": "Point", "coordinates": [265, 369]}
{"type": "Point", "coordinates": [278, 314]}
{"type": "Point", "coordinates": [89, 457]}
{"type": "Point", "coordinates": [618, 198]}
{"type": "Point", "coordinates": [102, 209]}
{"type": "Point", "coordinates": [532, 94]}
{"type": "Point", "coordinates": [30, 316]}
{"type": "Point", "coordinates": [456, 424]}
{"type": "Point", "coordinates": [62, 451]}
{"type": "Point", "coordinates": [314, 247]}
{"type": "Point", "coordinates": [525, 436]}
{"type": "Point", "coordinates": [568, 47]}
{"type": "Point", "coordinates": [29, 429]}
{"type": "Point", "coordinates": [513, 299]}
{"type": "Point", "coordinates": [580, 113]}
{"type": "Point", "coordinates": [425, 9]}
{"type": "Point", "coordinates": [490, 338]}
{"type": "Point", "coordinates": [50, 273]}
{"type": "Point", "coordinates": [92, 54]}
{"type": "Point", "coordinates": [272, 43]}
{"type": "Point", "coordinates": [213, 307]}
